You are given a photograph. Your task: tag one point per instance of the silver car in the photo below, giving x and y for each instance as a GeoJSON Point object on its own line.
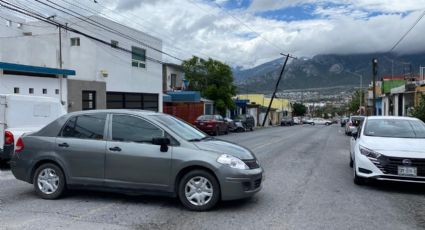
{"type": "Point", "coordinates": [135, 152]}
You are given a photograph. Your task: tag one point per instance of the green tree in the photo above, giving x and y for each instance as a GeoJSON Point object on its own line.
{"type": "Point", "coordinates": [419, 110]}
{"type": "Point", "coordinates": [299, 109]}
{"type": "Point", "coordinates": [354, 104]}
{"type": "Point", "coordinates": [213, 79]}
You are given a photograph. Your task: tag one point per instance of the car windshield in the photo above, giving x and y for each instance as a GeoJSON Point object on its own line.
{"type": "Point", "coordinates": [181, 128]}
{"type": "Point", "coordinates": [205, 118]}
{"type": "Point", "coordinates": [395, 128]}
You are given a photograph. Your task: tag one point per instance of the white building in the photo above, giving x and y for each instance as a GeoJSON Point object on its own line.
{"type": "Point", "coordinates": [114, 72]}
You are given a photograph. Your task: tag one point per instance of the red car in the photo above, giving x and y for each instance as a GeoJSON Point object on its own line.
{"type": "Point", "coordinates": [212, 124]}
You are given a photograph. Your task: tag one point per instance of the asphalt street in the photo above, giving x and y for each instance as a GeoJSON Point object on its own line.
{"type": "Point", "coordinates": [308, 186]}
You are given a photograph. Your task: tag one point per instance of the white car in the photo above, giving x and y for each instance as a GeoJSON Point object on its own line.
{"type": "Point", "coordinates": [388, 148]}
{"type": "Point", "coordinates": [321, 121]}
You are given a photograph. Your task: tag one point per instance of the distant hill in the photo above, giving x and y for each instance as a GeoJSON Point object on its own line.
{"type": "Point", "coordinates": [324, 71]}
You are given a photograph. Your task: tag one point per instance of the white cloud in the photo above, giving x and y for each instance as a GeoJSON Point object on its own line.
{"type": "Point", "coordinates": [192, 27]}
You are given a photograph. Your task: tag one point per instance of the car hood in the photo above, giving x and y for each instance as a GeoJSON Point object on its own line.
{"type": "Point", "coordinates": [225, 147]}
{"type": "Point", "coordinates": [396, 147]}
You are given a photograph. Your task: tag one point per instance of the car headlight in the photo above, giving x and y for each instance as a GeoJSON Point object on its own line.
{"type": "Point", "coordinates": [232, 162]}
{"type": "Point", "coordinates": [369, 153]}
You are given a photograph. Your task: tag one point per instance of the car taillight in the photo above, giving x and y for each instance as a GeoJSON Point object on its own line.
{"type": "Point", "coordinates": [8, 138]}
{"type": "Point", "coordinates": [19, 145]}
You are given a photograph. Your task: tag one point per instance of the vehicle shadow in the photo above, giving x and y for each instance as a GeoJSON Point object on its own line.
{"type": "Point", "coordinates": [397, 187]}
{"type": "Point", "coordinates": [4, 166]}
{"type": "Point", "coordinates": [151, 200]}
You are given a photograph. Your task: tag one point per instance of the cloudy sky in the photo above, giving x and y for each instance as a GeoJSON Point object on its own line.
{"type": "Point", "coordinates": [250, 32]}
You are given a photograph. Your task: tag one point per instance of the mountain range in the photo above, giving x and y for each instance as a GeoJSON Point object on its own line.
{"type": "Point", "coordinates": [324, 71]}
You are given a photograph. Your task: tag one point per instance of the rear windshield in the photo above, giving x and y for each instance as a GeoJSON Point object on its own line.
{"type": "Point", "coordinates": [395, 128]}
{"type": "Point", "coordinates": [205, 117]}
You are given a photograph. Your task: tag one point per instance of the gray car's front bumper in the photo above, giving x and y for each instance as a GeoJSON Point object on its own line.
{"type": "Point", "coordinates": [241, 184]}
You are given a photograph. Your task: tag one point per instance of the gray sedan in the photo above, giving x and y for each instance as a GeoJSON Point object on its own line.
{"type": "Point", "coordinates": [135, 152]}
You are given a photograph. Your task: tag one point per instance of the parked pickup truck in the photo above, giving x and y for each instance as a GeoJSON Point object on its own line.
{"type": "Point", "coordinates": [21, 114]}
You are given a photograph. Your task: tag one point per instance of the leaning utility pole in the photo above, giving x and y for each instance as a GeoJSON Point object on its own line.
{"type": "Point", "coordinates": [374, 73]}
{"type": "Point", "coordinates": [276, 87]}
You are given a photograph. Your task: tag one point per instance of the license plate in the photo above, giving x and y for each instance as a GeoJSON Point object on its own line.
{"type": "Point", "coordinates": [407, 171]}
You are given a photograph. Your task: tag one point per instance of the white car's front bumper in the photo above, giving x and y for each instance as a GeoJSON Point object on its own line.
{"type": "Point", "coordinates": [374, 169]}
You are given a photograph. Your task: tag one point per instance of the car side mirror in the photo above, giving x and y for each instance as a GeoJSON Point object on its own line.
{"type": "Point", "coordinates": [164, 142]}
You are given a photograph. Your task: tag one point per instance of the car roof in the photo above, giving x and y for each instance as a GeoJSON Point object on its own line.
{"type": "Point", "coordinates": [127, 111]}
{"type": "Point", "coordinates": [391, 118]}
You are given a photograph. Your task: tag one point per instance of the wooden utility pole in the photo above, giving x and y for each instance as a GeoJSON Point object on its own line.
{"type": "Point", "coordinates": [276, 87]}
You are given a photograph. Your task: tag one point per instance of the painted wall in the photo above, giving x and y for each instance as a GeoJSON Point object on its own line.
{"type": "Point", "coordinates": [260, 99]}
{"type": "Point", "coordinates": [9, 82]}
{"type": "Point", "coordinates": [92, 61]}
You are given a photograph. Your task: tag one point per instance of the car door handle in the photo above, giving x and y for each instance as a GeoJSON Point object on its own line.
{"type": "Point", "coordinates": [64, 145]}
{"type": "Point", "coordinates": [115, 149]}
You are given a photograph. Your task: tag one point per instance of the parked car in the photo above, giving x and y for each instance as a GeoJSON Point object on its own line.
{"type": "Point", "coordinates": [138, 152]}
{"type": "Point", "coordinates": [230, 124]}
{"type": "Point", "coordinates": [287, 121]}
{"type": "Point", "coordinates": [344, 121]}
{"type": "Point", "coordinates": [321, 121]}
{"type": "Point", "coordinates": [388, 148]}
{"type": "Point", "coordinates": [297, 120]}
{"type": "Point", "coordinates": [308, 121]}
{"type": "Point", "coordinates": [212, 124]}
{"type": "Point", "coordinates": [21, 114]}
{"type": "Point", "coordinates": [353, 123]}
{"type": "Point", "coordinates": [247, 121]}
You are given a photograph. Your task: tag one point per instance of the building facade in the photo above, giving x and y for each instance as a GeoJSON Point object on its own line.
{"type": "Point", "coordinates": [112, 72]}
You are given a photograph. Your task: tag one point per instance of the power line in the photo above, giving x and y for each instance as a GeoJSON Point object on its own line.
{"type": "Point", "coordinates": [408, 31]}
{"type": "Point", "coordinates": [92, 11]}
{"type": "Point", "coordinates": [105, 27]}
{"type": "Point", "coordinates": [44, 19]}
{"type": "Point", "coordinates": [132, 19]}
{"type": "Point", "coordinates": [239, 21]}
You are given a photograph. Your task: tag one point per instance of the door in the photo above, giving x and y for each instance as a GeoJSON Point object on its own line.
{"type": "Point", "coordinates": [132, 161]}
{"type": "Point", "coordinates": [81, 146]}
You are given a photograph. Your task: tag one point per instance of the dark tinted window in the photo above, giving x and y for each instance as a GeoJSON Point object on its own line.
{"type": "Point", "coordinates": [88, 126]}
{"type": "Point", "coordinates": [133, 129]}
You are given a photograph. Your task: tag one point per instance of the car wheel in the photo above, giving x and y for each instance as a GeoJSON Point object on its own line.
{"type": "Point", "coordinates": [251, 129]}
{"type": "Point", "coordinates": [226, 131]}
{"type": "Point", "coordinates": [313, 123]}
{"type": "Point", "coordinates": [49, 181]}
{"type": "Point", "coordinates": [357, 180]}
{"type": "Point", "coordinates": [199, 190]}
{"type": "Point", "coordinates": [327, 124]}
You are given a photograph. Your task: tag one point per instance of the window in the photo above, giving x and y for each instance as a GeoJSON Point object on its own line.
{"type": "Point", "coordinates": [16, 90]}
{"type": "Point", "coordinates": [133, 129]}
{"type": "Point", "coordinates": [114, 44]}
{"type": "Point", "coordinates": [31, 90]}
{"type": "Point", "coordinates": [117, 100]}
{"type": "Point", "coordinates": [89, 100]}
{"type": "Point", "coordinates": [89, 126]}
{"type": "Point", "coordinates": [56, 91]}
{"type": "Point", "coordinates": [44, 91]}
{"type": "Point", "coordinates": [138, 57]}
{"type": "Point", "coordinates": [173, 81]}
{"type": "Point", "coordinates": [75, 41]}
